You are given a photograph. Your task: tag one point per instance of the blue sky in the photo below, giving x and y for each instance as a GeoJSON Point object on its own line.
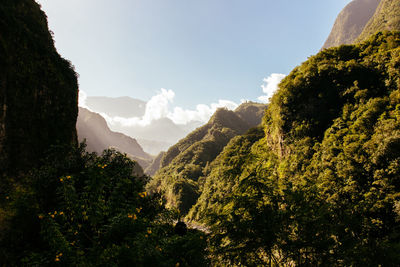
{"type": "Point", "coordinates": [203, 50]}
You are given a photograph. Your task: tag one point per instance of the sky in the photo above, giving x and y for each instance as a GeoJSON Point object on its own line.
{"type": "Point", "coordinates": [203, 51]}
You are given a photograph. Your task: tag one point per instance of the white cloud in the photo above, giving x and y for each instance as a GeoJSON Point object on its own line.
{"type": "Point", "coordinates": [82, 99]}
{"type": "Point", "coordinates": [270, 86]}
{"type": "Point", "coordinates": [158, 107]}
{"type": "Point", "coordinates": [201, 113]}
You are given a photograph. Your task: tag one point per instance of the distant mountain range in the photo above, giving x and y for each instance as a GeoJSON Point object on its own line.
{"type": "Point", "coordinates": [93, 128]}
{"type": "Point", "coordinates": [124, 106]}
{"type": "Point", "coordinates": [361, 18]}
{"type": "Point", "coordinates": [155, 137]}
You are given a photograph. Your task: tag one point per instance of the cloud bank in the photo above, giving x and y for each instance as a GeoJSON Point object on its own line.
{"type": "Point", "coordinates": [270, 86]}
{"type": "Point", "coordinates": [159, 106]}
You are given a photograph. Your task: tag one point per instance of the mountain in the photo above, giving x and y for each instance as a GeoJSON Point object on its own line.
{"type": "Point", "coordinates": [184, 164]}
{"type": "Point", "coordinates": [163, 131]}
{"type": "Point", "coordinates": [386, 18]}
{"type": "Point", "coordinates": [154, 137]}
{"type": "Point", "coordinates": [350, 22]}
{"type": "Point", "coordinates": [318, 184]}
{"type": "Point", "coordinates": [93, 127]}
{"type": "Point", "coordinates": [362, 18]}
{"type": "Point", "coordinates": [38, 89]}
{"type": "Point", "coordinates": [155, 165]}
{"type": "Point", "coordinates": [221, 175]}
{"type": "Point", "coordinates": [154, 147]}
{"type": "Point", "coordinates": [125, 106]}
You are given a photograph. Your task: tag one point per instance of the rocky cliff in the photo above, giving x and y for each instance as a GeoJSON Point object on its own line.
{"type": "Point", "coordinates": [350, 22]}
{"type": "Point", "coordinates": [38, 88]}
{"type": "Point", "coordinates": [385, 18]}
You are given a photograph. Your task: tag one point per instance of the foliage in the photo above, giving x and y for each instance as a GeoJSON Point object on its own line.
{"type": "Point", "coordinates": [322, 187]}
{"type": "Point", "coordinates": [223, 171]}
{"type": "Point", "coordinates": [184, 165]}
{"type": "Point", "coordinates": [80, 209]}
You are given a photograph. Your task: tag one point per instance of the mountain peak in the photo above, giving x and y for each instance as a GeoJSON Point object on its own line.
{"type": "Point", "coordinates": [351, 21]}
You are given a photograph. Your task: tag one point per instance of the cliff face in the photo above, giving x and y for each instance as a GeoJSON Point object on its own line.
{"type": "Point", "coordinates": [38, 88]}
{"type": "Point", "coordinates": [350, 22]}
{"type": "Point", "coordinates": [386, 18]}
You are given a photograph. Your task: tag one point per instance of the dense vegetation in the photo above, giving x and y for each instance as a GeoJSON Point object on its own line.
{"type": "Point", "coordinates": [59, 205]}
{"type": "Point", "coordinates": [317, 183]}
{"type": "Point", "coordinates": [80, 209]}
{"type": "Point", "coordinates": [38, 88]}
{"type": "Point", "coordinates": [323, 186]}
{"type": "Point", "coordinates": [184, 165]}
{"type": "Point", "coordinates": [155, 165]}
{"type": "Point", "coordinates": [221, 174]}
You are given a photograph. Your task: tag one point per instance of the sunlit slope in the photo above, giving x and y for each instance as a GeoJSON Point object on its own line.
{"type": "Point", "coordinates": [184, 164]}
{"type": "Point", "coordinates": [325, 178]}
{"type": "Point", "coordinates": [350, 22]}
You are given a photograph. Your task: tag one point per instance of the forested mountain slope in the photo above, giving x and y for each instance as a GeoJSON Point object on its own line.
{"type": "Point", "coordinates": [185, 163]}
{"type": "Point", "coordinates": [323, 185]}
{"type": "Point", "coordinates": [220, 176]}
{"type": "Point", "coordinates": [38, 89]}
{"type": "Point", "coordinates": [155, 164]}
{"type": "Point", "coordinates": [60, 205]}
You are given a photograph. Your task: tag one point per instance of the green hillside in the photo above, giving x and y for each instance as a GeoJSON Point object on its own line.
{"type": "Point", "coordinates": [220, 176]}
{"type": "Point", "coordinates": [184, 164]}
{"type": "Point", "coordinates": [322, 187]}
{"type": "Point", "coordinates": [155, 164]}
{"type": "Point", "coordinates": [386, 18]}
{"type": "Point", "coordinates": [311, 180]}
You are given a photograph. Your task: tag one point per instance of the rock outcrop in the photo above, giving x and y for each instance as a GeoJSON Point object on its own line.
{"type": "Point", "coordinates": [350, 22]}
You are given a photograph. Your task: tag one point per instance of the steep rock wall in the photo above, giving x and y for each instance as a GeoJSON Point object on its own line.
{"type": "Point", "coordinates": [38, 88]}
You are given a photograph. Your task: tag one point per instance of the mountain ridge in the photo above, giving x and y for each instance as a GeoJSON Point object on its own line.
{"type": "Point", "coordinates": [184, 164]}
{"type": "Point", "coordinates": [385, 18]}
{"type": "Point", "coordinates": [362, 18]}
{"type": "Point", "coordinates": [93, 128]}
{"type": "Point", "coordinates": [350, 22]}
